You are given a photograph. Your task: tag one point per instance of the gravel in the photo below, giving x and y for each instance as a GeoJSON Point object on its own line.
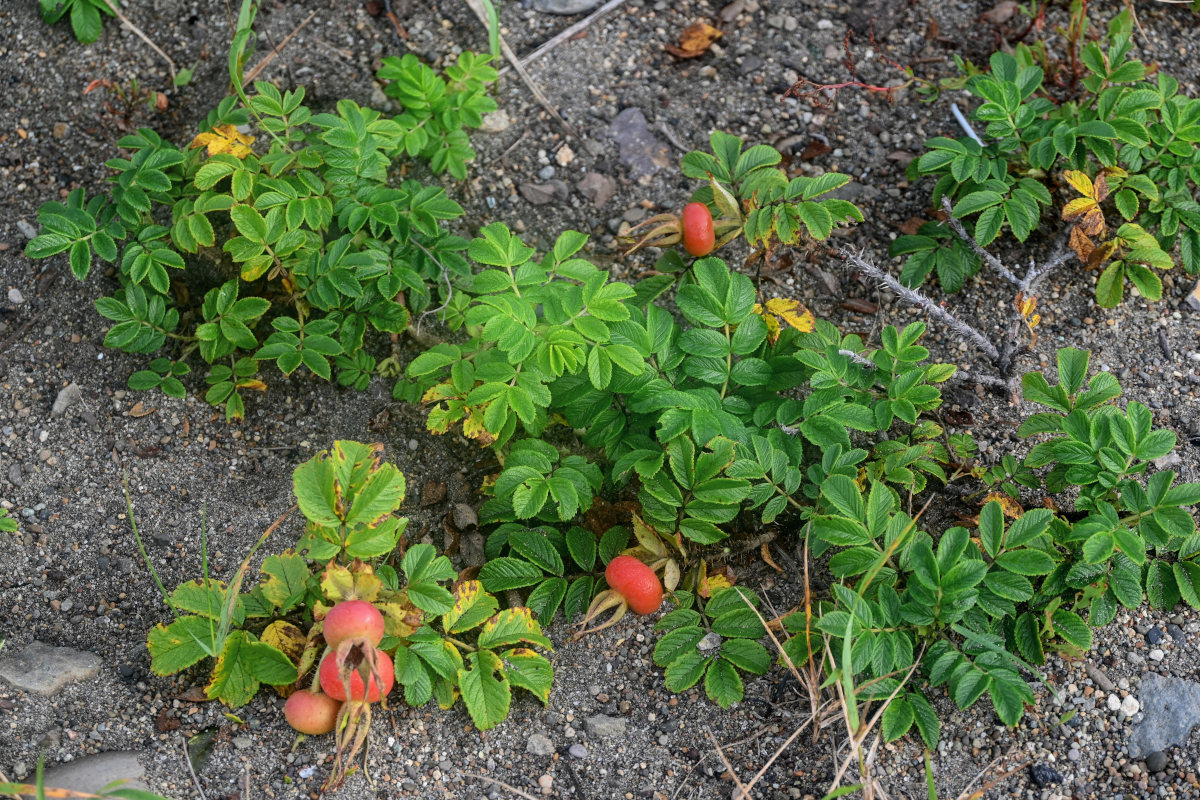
{"type": "Point", "coordinates": [73, 575]}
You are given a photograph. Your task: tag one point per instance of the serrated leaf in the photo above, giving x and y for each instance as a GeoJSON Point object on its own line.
{"type": "Point", "coordinates": [511, 626]}
{"type": "Point", "coordinates": [485, 689]}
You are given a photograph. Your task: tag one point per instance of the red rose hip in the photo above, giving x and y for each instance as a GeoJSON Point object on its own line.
{"type": "Point", "coordinates": [698, 235]}
{"type": "Point", "coordinates": [635, 582]}
{"type": "Point", "coordinates": [352, 619]}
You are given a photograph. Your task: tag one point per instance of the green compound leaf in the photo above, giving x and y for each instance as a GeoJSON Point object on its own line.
{"type": "Point", "coordinates": [485, 688]}
{"type": "Point", "coordinates": [723, 684]}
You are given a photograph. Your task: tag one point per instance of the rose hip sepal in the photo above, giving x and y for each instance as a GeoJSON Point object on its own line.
{"type": "Point", "coordinates": [358, 673]}
{"type": "Point", "coordinates": [633, 587]}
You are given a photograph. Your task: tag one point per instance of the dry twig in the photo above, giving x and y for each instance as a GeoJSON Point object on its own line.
{"type": "Point", "coordinates": [113, 6]}
{"type": "Point", "coordinates": [566, 33]}
{"type": "Point", "coordinates": [261, 65]}
{"type": "Point", "coordinates": [537, 93]}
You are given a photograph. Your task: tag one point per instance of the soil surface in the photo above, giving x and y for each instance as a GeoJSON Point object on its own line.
{"type": "Point", "coordinates": [72, 575]}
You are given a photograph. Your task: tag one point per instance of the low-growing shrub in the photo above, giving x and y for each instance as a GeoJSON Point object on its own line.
{"type": "Point", "coordinates": [1123, 143]}
{"type": "Point", "coordinates": [302, 222]}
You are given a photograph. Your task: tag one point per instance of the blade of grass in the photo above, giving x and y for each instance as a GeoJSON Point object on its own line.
{"type": "Point", "coordinates": [142, 547]}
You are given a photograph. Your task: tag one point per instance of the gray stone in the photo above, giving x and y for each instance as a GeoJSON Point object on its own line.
{"type": "Point", "coordinates": [711, 641]}
{"type": "Point", "coordinates": [539, 745]}
{"type": "Point", "coordinates": [1170, 709]}
{"type": "Point", "coordinates": [464, 516]}
{"type": "Point", "coordinates": [539, 194]}
{"type": "Point", "coordinates": [605, 727]}
{"type": "Point", "coordinates": [1156, 761]}
{"type": "Point", "coordinates": [577, 751]}
{"type": "Point", "coordinates": [565, 7]}
{"type": "Point", "coordinates": [495, 122]}
{"type": "Point", "coordinates": [93, 773]}
{"type": "Point", "coordinates": [27, 229]}
{"type": "Point", "coordinates": [1099, 678]}
{"type": "Point", "coordinates": [67, 396]}
{"type": "Point", "coordinates": [1193, 298]}
{"type": "Point", "coordinates": [15, 297]}
{"type": "Point", "coordinates": [597, 188]}
{"type": "Point", "coordinates": [44, 669]}
{"type": "Point", "coordinates": [641, 151]}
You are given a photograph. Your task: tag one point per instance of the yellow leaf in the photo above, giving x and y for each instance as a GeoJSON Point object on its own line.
{"type": "Point", "coordinates": [286, 637]}
{"type": "Point", "coordinates": [339, 583]}
{"type": "Point", "coordinates": [473, 427]}
{"type": "Point", "coordinates": [441, 391]}
{"type": "Point", "coordinates": [1010, 507]}
{"type": "Point", "coordinates": [1080, 182]}
{"type": "Point", "coordinates": [225, 139]}
{"type": "Point", "coordinates": [718, 582]}
{"type": "Point", "coordinates": [1078, 207]}
{"type": "Point", "coordinates": [772, 325]}
{"type": "Point", "coordinates": [252, 383]}
{"type": "Point", "coordinates": [793, 313]}
{"type": "Point", "coordinates": [400, 618]}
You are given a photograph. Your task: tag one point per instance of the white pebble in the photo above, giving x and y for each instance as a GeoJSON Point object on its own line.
{"type": "Point", "coordinates": [1130, 706]}
{"type": "Point", "coordinates": [1114, 703]}
{"type": "Point", "coordinates": [1156, 654]}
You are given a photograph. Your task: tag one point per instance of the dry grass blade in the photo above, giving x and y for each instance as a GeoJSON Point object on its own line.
{"type": "Point", "coordinates": [114, 7]}
{"type": "Point", "coordinates": [543, 101]}
{"type": "Point", "coordinates": [261, 65]}
{"type": "Point", "coordinates": [979, 793]}
{"type": "Point", "coordinates": [567, 33]}
{"type": "Point", "coordinates": [501, 784]}
{"type": "Point", "coordinates": [745, 792]}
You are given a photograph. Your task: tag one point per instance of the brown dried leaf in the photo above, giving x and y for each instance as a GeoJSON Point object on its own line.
{"type": "Point", "coordinates": [196, 694]}
{"type": "Point", "coordinates": [815, 149]}
{"type": "Point", "coordinates": [859, 306]}
{"type": "Point", "coordinates": [432, 493]}
{"type": "Point", "coordinates": [1000, 13]}
{"type": "Point", "coordinates": [912, 225]}
{"type": "Point", "coordinates": [958, 418]}
{"type": "Point", "coordinates": [695, 40]}
{"type": "Point", "coordinates": [1010, 507]}
{"type": "Point", "coordinates": [1093, 222]}
{"type": "Point", "coordinates": [1081, 244]}
{"type": "Point", "coordinates": [164, 723]}
{"type": "Point", "coordinates": [765, 552]}
{"type": "Point", "coordinates": [1101, 254]}
{"type": "Point", "coordinates": [140, 410]}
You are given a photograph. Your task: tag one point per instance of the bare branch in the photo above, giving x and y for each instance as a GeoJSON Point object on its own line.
{"type": "Point", "coordinates": [970, 241]}
{"type": "Point", "coordinates": [932, 309]}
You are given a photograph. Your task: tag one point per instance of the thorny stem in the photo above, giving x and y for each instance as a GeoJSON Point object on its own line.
{"type": "Point", "coordinates": [931, 308]}
{"type": "Point", "coordinates": [1036, 273]}
{"type": "Point", "coordinates": [970, 241]}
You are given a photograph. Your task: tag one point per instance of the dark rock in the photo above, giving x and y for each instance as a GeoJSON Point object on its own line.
{"type": "Point", "coordinates": [1043, 776]}
{"type": "Point", "coordinates": [1175, 632]}
{"type": "Point", "coordinates": [642, 152]}
{"type": "Point", "coordinates": [877, 17]}
{"type": "Point", "coordinates": [539, 194]}
{"type": "Point", "coordinates": [1154, 635]}
{"type": "Point", "coordinates": [597, 188]}
{"type": "Point", "coordinates": [565, 7]}
{"type": "Point", "coordinates": [1170, 709]}
{"type": "Point", "coordinates": [751, 64]}
{"type": "Point", "coordinates": [1156, 761]}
